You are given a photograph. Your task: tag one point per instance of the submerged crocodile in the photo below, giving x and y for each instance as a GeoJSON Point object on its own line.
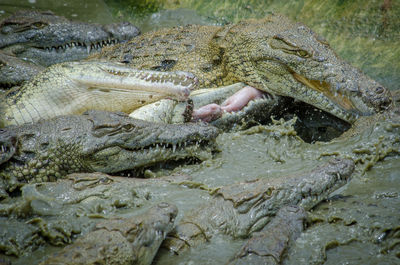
{"type": "Point", "coordinates": [97, 141]}
{"type": "Point", "coordinates": [133, 240]}
{"type": "Point", "coordinates": [241, 209]}
{"type": "Point", "coordinates": [41, 38]}
{"type": "Point", "coordinates": [272, 55]}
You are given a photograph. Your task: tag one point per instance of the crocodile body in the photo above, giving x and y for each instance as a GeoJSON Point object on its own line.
{"type": "Point", "coordinates": [41, 38]}
{"type": "Point", "coordinates": [98, 141]}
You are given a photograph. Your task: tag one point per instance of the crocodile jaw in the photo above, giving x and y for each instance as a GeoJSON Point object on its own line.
{"type": "Point", "coordinates": [132, 144]}
{"type": "Point", "coordinates": [120, 159]}
{"type": "Point", "coordinates": [46, 39]}
{"type": "Point", "coordinates": [146, 85]}
{"type": "Point", "coordinates": [336, 103]}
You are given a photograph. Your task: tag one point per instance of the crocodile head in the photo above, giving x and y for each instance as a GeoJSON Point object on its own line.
{"type": "Point", "coordinates": [96, 141]}
{"type": "Point", "coordinates": [289, 59]}
{"type": "Point", "coordinates": [118, 143]}
{"type": "Point", "coordinates": [45, 39]}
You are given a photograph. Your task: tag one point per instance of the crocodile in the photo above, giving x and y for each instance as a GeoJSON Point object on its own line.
{"type": "Point", "coordinates": [243, 208]}
{"type": "Point", "coordinates": [95, 141]}
{"type": "Point", "coordinates": [41, 38]}
{"type": "Point", "coordinates": [95, 85]}
{"type": "Point", "coordinates": [133, 240]}
{"type": "Point", "coordinates": [272, 55]}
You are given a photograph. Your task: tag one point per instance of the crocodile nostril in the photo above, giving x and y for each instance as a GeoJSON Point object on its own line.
{"type": "Point", "coordinates": [379, 90]}
{"type": "Point", "coordinates": [127, 58]}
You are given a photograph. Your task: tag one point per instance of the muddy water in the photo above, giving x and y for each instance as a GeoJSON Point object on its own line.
{"type": "Point", "coordinates": [358, 225]}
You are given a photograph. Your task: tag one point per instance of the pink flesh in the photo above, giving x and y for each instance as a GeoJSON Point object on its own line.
{"type": "Point", "coordinates": [241, 98]}
{"type": "Point", "coordinates": [207, 113]}
{"type": "Point", "coordinates": [234, 103]}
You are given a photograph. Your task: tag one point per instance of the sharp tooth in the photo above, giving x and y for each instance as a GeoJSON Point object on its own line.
{"type": "Point", "coordinates": [173, 148]}
{"type": "Point", "coordinates": [88, 48]}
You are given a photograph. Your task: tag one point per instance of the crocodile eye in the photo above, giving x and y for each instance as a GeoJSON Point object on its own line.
{"type": "Point", "coordinates": [278, 42]}
{"type": "Point", "coordinates": [128, 127]}
{"type": "Point", "coordinates": [303, 53]}
{"type": "Point", "coordinates": [39, 25]}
